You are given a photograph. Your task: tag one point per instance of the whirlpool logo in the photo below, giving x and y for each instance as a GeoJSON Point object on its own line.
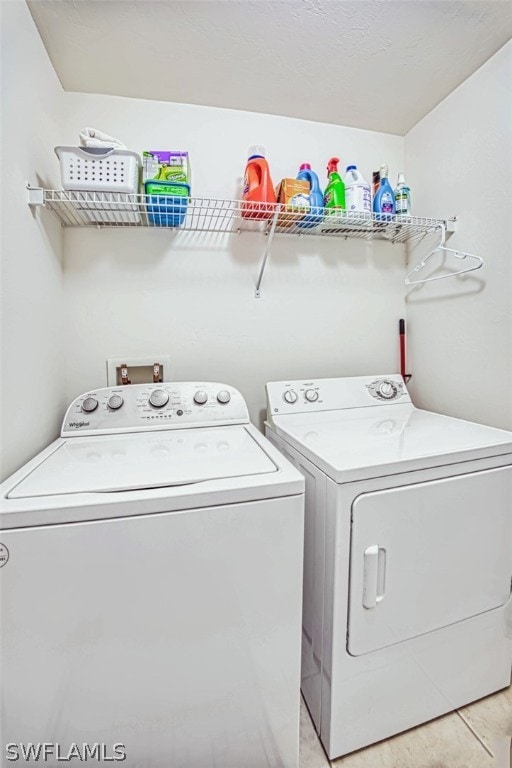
{"type": "Point", "coordinates": [78, 424]}
{"type": "Point", "coordinates": [42, 752]}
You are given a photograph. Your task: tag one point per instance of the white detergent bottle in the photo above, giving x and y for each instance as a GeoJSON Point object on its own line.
{"type": "Point", "coordinates": [357, 191]}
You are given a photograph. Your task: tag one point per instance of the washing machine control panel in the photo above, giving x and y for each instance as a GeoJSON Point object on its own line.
{"type": "Point", "coordinates": [285, 397]}
{"type": "Point", "coordinates": [168, 405]}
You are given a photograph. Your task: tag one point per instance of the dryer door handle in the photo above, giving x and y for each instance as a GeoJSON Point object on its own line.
{"type": "Point", "coordinates": [374, 575]}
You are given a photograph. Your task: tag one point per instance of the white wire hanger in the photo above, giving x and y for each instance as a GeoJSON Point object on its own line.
{"type": "Point", "coordinates": [441, 247]}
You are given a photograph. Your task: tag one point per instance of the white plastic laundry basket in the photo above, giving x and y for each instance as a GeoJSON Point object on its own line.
{"type": "Point", "coordinates": [99, 170]}
{"type": "Point", "coordinates": [109, 174]}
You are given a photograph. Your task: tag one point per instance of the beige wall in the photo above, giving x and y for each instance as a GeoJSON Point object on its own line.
{"type": "Point", "coordinates": [32, 394]}
{"type": "Point", "coordinates": [459, 161]}
{"type": "Point", "coordinates": [328, 307]}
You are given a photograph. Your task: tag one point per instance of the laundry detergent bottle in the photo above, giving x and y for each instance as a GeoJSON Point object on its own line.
{"type": "Point", "coordinates": [358, 194]}
{"type": "Point", "coordinates": [384, 200]}
{"type": "Point", "coordinates": [258, 187]}
{"type": "Point", "coordinates": [335, 190]}
{"type": "Point", "coordinates": [316, 197]}
{"type": "Point", "coordinates": [402, 197]}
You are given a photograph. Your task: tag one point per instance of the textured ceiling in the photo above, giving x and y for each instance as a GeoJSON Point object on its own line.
{"type": "Point", "coordinates": [380, 65]}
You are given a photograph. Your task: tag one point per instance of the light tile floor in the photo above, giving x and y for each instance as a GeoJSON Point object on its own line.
{"type": "Point", "coordinates": [473, 737]}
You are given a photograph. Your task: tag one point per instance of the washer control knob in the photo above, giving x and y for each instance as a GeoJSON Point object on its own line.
{"type": "Point", "coordinates": [89, 404]}
{"type": "Point", "coordinates": [224, 396]}
{"type": "Point", "coordinates": [311, 395]}
{"type": "Point", "coordinates": [201, 397]}
{"type": "Point", "coordinates": [115, 402]}
{"type": "Point", "coordinates": [387, 390]}
{"type": "Point", "coordinates": [290, 396]}
{"type": "Point", "coordinates": [158, 398]}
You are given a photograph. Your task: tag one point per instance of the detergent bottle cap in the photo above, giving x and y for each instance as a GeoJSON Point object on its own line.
{"type": "Point", "coordinates": [401, 179]}
{"type": "Point", "coordinates": [351, 167]}
{"type": "Point", "coordinates": [305, 167]}
{"type": "Point", "coordinates": [256, 151]}
{"type": "Point", "coordinates": [384, 172]}
{"type": "Point", "coordinates": [332, 165]}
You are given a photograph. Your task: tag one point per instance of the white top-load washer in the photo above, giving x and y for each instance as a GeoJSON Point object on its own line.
{"type": "Point", "coordinates": [151, 585]}
{"type": "Point", "coordinates": [408, 555]}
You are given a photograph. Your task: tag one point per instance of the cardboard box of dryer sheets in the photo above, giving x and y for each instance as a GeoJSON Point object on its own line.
{"type": "Point", "coordinates": [294, 195]}
{"type": "Point", "coordinates": [166, 165]}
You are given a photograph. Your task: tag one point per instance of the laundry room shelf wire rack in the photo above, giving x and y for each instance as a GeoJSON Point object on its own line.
{"type": "Point", "coordinates": [212, 215]}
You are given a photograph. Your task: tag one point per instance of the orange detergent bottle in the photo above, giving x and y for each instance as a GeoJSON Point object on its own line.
{"type": "Point", "coordinates": [258, 195]}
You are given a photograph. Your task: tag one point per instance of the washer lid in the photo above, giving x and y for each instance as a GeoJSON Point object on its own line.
{"type": "Point", "coordinates": [147, 460]}
{"type": "Point", "coordinates": [360, 443]}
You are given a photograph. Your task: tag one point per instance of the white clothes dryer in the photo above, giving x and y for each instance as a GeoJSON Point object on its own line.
{"type": "Point", "coordinates": [407, 560]}
{"type": "Point", "coordinates": [151, 584]}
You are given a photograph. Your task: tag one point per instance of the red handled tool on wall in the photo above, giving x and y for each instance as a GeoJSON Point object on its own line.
{"type": "Point", "coordinates": [403, 368]}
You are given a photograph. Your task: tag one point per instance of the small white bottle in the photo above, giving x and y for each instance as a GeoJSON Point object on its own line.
{"type": "Point", "coordinates": [402, 197]}
{"type": "Point", "coordinates": [358, 194]}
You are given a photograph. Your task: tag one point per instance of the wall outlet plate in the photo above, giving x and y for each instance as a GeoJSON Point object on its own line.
{"type": "Point", "coordinates": [140, 369]}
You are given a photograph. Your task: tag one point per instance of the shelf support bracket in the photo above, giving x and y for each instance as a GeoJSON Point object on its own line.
{"type": "Point", "coordinates": [266, 252]}
{"type": "Point", "coordinates": [450, 226]}
{"type": "Point", "coordinates": [35, 195]}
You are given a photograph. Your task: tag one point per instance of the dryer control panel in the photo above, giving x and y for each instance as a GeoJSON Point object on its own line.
{"type": "Point", "coordinates": [285, 397]}
{"type": "Point", "coordinates": [169, 405]}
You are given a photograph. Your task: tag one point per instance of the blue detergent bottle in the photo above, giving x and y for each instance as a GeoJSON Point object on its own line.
{"type": "Point", "coordinates": [316, 197]}
{"type": "Point", "coordinates": [384, 200]}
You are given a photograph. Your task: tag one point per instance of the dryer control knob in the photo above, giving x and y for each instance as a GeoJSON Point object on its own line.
{"type": "Point", "coordinates": [200, 398]}
{"type": "Point", "coordinates": [115, 402]}
{"type": "Point", "coordinates": [387, 390]}
{"type": "Point", "coordinates": [224, 397]}
{"type": "Point", "coordinates": [158, 398]}
{"type": "Point", "coordinates": [311, 395]}
{"type": "Point", "coordinates": [290, 396]}
{"type": "Point", "coordinates": [89, 404]}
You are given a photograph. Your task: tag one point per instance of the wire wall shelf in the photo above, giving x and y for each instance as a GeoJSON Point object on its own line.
{"type": "Point", "coordinates": [120, 210]}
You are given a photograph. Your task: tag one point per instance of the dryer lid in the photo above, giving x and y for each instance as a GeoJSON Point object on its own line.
{"type": "Point", "coordinates": [145, 460]}
{"type": "Point", "coordinates": [361, 443]}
